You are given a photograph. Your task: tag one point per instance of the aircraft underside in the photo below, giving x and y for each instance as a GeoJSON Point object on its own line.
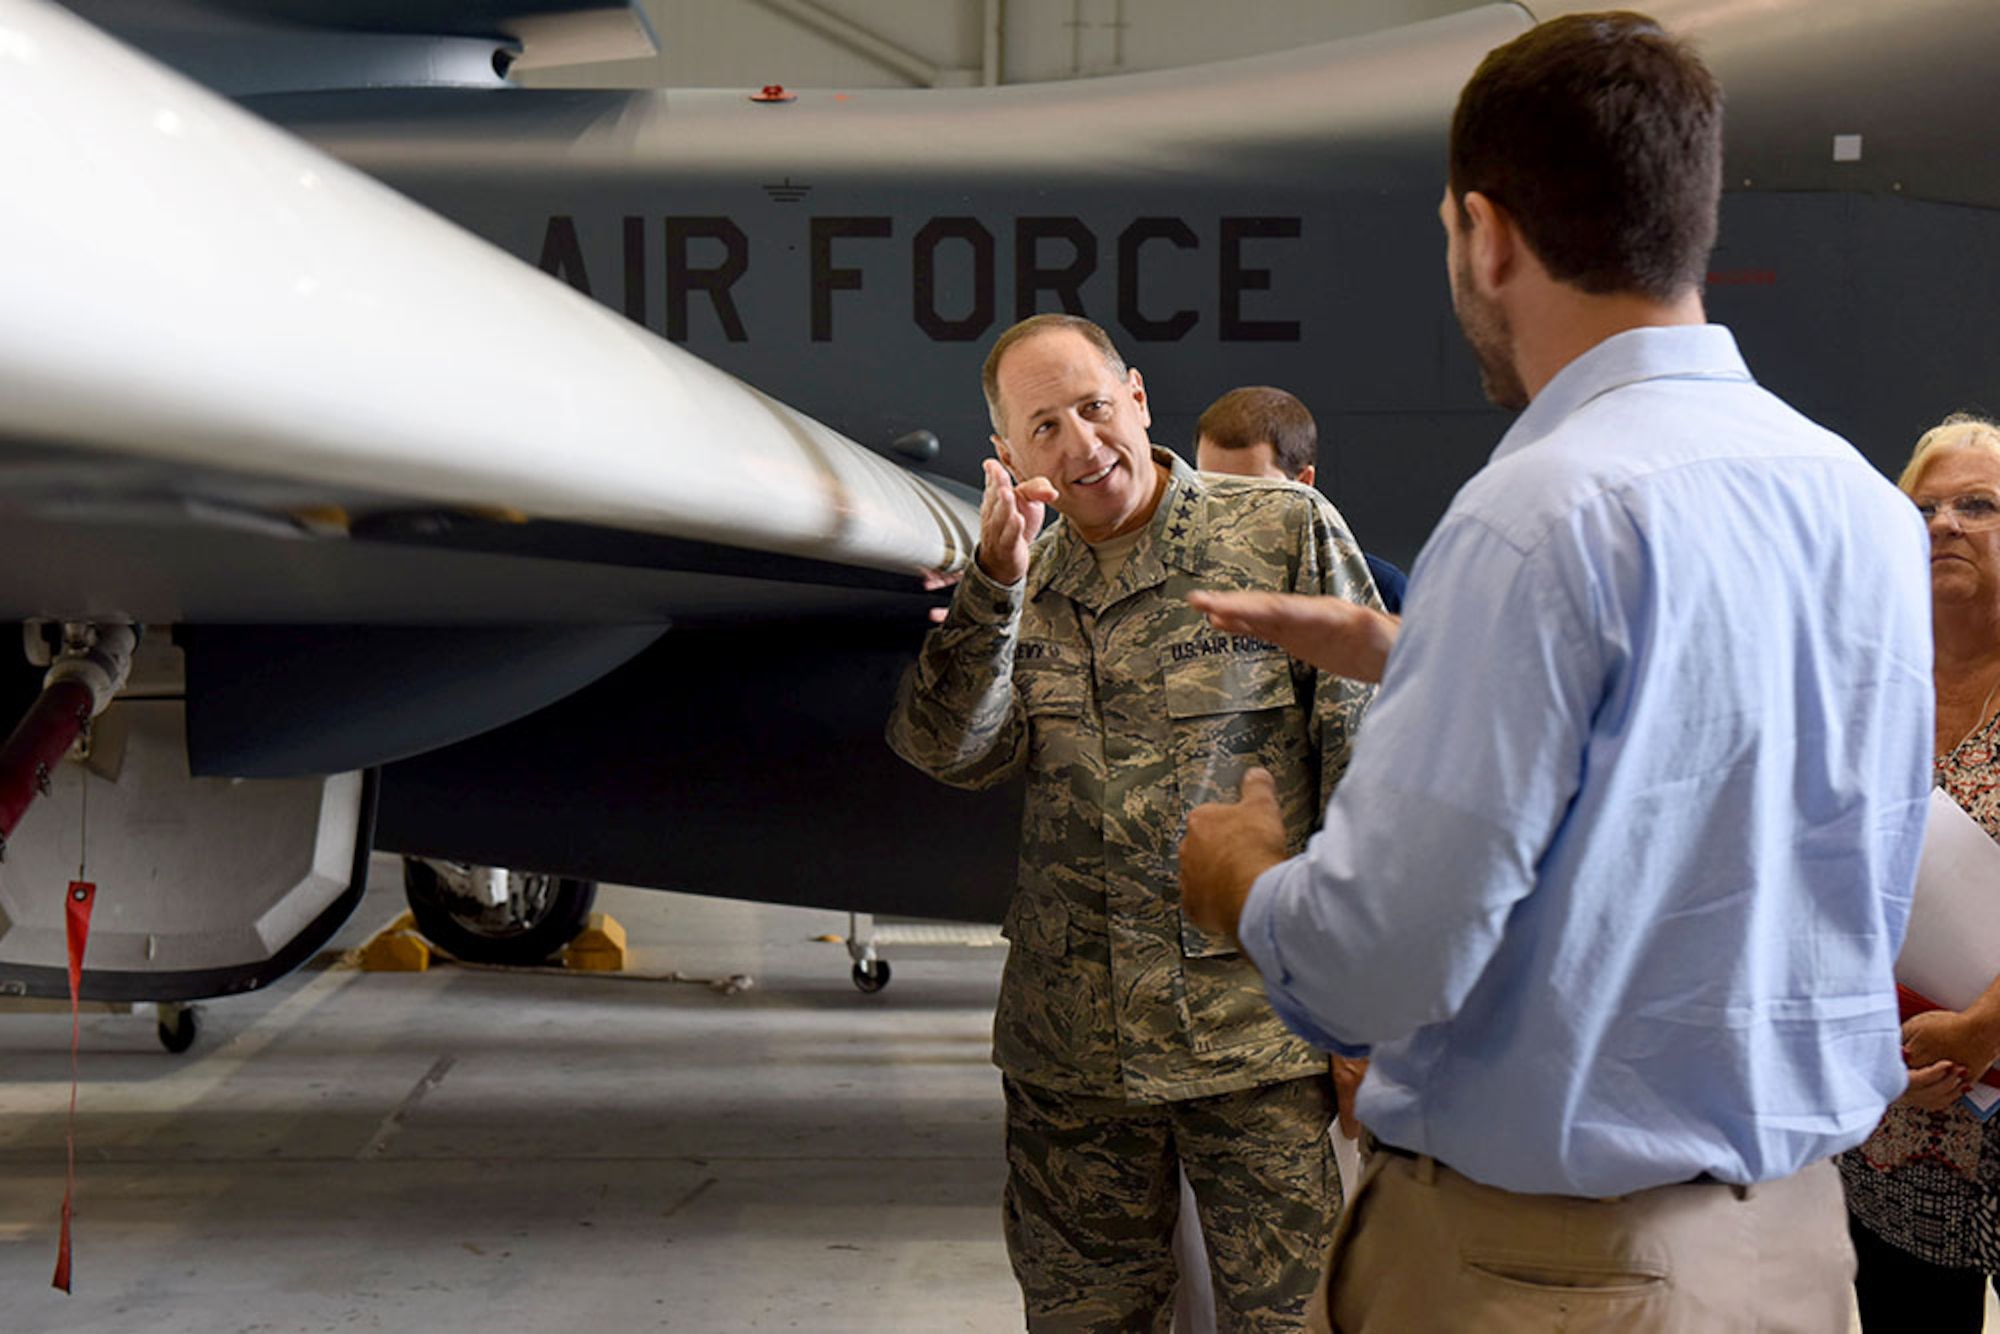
{"type": "Point", "coordinates": [714, 728]}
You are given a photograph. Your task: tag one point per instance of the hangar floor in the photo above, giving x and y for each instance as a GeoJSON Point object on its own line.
{"type": "Point", "coordinates": [464, 1150]}
{"type": "Point", "coordinates": [470, 1150]}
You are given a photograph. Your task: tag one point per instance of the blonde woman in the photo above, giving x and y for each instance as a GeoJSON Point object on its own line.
{"type": "Point", "coordinates": [1923, 1194]}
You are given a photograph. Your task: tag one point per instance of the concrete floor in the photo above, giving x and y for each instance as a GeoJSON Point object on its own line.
{"type": "Point", "coordinates": [471, 1150]}
{"type": "Point", "coordinates": [480, 1151]}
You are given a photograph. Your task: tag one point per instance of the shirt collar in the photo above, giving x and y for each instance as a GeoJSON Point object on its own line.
{"type": "Point", "coordinates": [1652, 352]}
{"type": "Point", "coordinates": [1174, 537]}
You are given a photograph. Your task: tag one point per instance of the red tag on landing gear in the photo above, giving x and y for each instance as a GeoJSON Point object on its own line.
{"type": "Point", "coordinates": [77, 904]}
{"type": "Point", "coordinates": [76, 927]}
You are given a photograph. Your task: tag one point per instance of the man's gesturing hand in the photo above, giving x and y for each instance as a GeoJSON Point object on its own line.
{"type": "Point", "coordinates": [1337, 636]}
{"type": "Point", "coordinates": [1226, 849]}
{"type": "Point", "coordinates": [1009, 518]}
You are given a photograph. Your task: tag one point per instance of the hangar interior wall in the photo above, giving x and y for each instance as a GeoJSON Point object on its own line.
{"type": "Point", "coordinates": [920, 43]}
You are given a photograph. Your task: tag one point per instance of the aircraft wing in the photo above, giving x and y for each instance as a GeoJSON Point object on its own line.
{"type": "Point", "coordinates": [210, 320]}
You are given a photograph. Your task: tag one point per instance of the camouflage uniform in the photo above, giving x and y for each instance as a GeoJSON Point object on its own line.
{"type": "Point", "coordinates": [1128, 710]}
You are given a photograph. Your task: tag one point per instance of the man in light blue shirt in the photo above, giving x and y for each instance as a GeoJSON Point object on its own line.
{"type": "Point", "coordinates": [1622, 860]}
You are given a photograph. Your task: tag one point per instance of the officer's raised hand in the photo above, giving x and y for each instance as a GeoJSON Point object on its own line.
{"type": "Point", "coordinates": [1009, 518]}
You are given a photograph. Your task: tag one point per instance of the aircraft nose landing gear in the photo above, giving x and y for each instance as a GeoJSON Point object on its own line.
{"type": "Point", "coordinates": [488, 914]}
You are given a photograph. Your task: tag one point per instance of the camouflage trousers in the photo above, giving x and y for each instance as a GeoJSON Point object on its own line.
{"type": "Point", "coordinates": [1093, 1193]}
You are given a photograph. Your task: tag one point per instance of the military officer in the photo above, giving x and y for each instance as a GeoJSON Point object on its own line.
{"type": "Point", "coordinates": [1133, 1044]}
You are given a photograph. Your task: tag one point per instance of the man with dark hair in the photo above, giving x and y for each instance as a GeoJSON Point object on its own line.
{"type": "Point", "coordinates": [1616, 880]}
{"type": "Point", "coordinates": [1134, 1045]}
{"type": "Point", "coordinates": [1258, 431]}
{"type": "Point", "coordinates": [1610, 165]}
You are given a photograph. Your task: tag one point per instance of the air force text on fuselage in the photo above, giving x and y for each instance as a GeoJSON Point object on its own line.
{"type": "Point", "coordinates": [1155, 279]}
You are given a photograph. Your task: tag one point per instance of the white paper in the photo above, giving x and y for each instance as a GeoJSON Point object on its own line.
{"type": "Point", "coordinates": [1951, 952]}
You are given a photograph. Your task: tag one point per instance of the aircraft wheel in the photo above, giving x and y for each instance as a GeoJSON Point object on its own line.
{"type": "Point", "coordinates": [178, 1027]}
{"type": "Point", "coordinates": [871, 976]}
{"type": "Point", "coordinates": [542, 913]}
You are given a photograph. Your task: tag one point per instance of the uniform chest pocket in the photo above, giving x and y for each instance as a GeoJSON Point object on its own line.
{"type": "Point", "coordinates": [1227, 713]}
{"type": "Point", "coordinates": [1228, 683]}
{"type": "Point", "coordinates": [1054, 698]}
{"type": "Point", "coordinates": [1049, 686]}
{"type": "Point", "coordinates": [1231, 712]}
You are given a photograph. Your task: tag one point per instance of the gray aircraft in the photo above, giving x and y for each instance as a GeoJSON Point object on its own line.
{"type": "Point", "coordinates": [607, 572]}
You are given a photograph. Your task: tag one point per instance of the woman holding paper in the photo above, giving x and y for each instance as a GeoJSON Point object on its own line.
{"type": "Point", "coordinates": [1923, 1194]}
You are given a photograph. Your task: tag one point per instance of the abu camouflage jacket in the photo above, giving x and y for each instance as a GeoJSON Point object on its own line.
{"type": "Point", "coordinates": [1128, 710]}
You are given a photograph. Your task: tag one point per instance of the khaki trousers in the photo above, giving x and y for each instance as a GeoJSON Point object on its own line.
{"type": "Point", "coordinates": [1422, 1248]}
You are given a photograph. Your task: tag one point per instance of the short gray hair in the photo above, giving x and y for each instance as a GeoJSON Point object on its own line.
{"type": "Point", "coordinates": [1033, 326]}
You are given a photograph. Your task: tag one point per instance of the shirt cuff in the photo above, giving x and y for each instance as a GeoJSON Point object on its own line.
{"type": "Point", "coordinates": [981, 601]}
{"type": "Point", "coordinates": [1257, 931]}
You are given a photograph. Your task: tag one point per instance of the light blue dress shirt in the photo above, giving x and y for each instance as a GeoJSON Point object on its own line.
{"type": "Point", "coordinates": [1623, 857]}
